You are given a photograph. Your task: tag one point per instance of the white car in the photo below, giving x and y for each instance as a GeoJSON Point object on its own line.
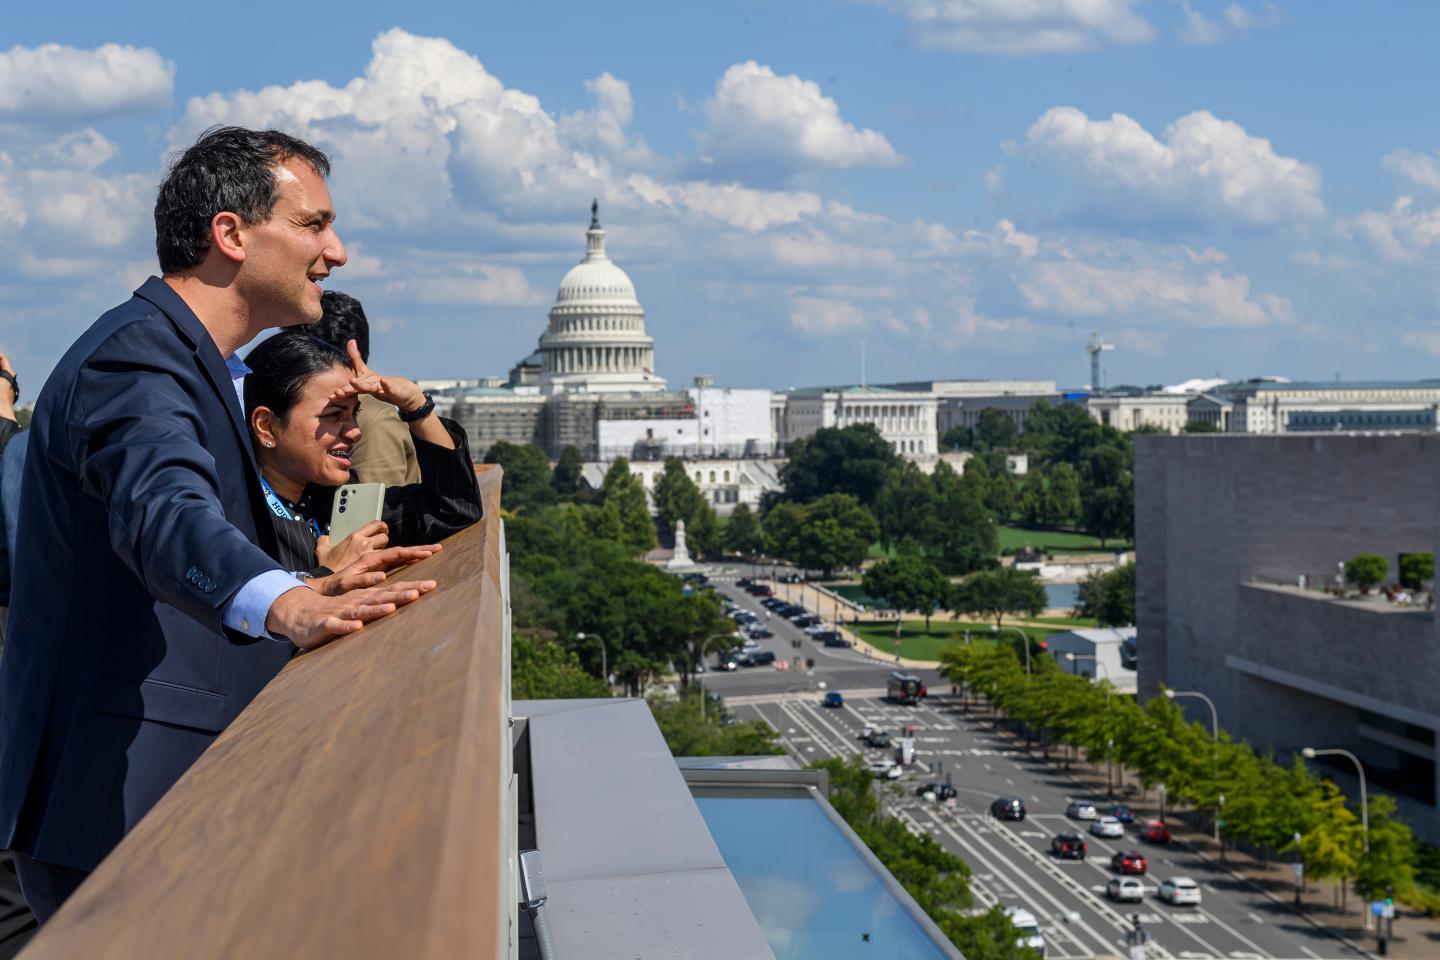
{"type": "Point", "coordinates": [750, 646]}
{"type": "Point", "coordinates": [1080, 810]}
{"type": "Point", "coordinates": [886, 768]}
{"type": "Point", "coordinates": [818, 628]}
{"type": "Point", "coordinates": [1107, 827]}
{"type": "Point", "coordinates": [1180, 891]}
{"type": "Point", "coordinates": [1027, 928]}
{"type": "Point", "coordinates": [1125, 889]}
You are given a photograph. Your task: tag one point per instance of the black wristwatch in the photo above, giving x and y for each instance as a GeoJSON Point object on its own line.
{"type": "Point", "coordinates": [15, 384]}
{"type": "Point", "coordinates": [420, 412]}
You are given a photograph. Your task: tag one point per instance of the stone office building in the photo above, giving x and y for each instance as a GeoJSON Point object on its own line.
{"type": "Point", "coordinates": [1236, 536]}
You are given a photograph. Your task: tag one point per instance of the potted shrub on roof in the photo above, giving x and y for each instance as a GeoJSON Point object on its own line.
{"type": "Point", "coordinates": [1365, 570]}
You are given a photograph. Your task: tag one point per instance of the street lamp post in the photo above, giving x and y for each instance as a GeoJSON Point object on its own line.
{"type": "Point", "coordinates": [1024, 642]}
{"type": "Point", "coordinates": [1214, 747]}
{"type": "Point", "coordinates": [604, 657]}
{"type": "Point", "coordinates": [1310, 753]}
{"type": "Point", "coordinates": [1109, 740]}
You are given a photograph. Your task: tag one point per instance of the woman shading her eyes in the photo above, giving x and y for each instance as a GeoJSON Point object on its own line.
{"type": "Point", "coordinates": [300, 401]}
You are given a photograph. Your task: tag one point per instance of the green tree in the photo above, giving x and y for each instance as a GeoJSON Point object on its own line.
{"type": "Point", "coordinates": [996, 594]}
{"type": "Point", "coordinates": [1416, 569]}
{"type": "Point", "coordinates": [541, 669]}
{"type": "Point", "coordinates": [743, 534]}
{"type": "Point", "coordinates": [715, 734]}
{"type": "Point", "coordinates": [1366, 569]}
{"type": "Point", "coordinates": [527, 476]}
{"type": "Point", "coordinates": [623, 488]}
{"type": "Point", "coordinates": [834, 531]}
{"type": "Point", "coordinates": [963, 537]}
{"type": "Point", "coordinates": [1108, 596]}
{"type": "Point", "coordinates": [906, 505]}
{"type": "Point", "coordinates": [1331, 845]}
{"type": "Point", "coordinates": [1201, 426]}
{"type": "Point", "coordinates": [704, 533]}
{"type": "Point", "coordinates": [957, 438]}
{"type": "Point", "coordinates": [1390, 864]}
{"type": "Point", "coordinates": [566, 478]}
{"type": "Point", "coordinates": [1108, 494]}
{"type": "Point", "coordinates": [854, 460]}
{"type": "Point", "coordinates": [1033, 501]}
{"type": "Point", "coordinates": [781, 526]}
{"type": "Point", "coordinates": [995, 430]}
{"type": "Point", "coordinates": [908, 583]}
{"type": "Point", "coordinates": [1062, 501]}
{"type": "Point", "coordinates": [677, 497]}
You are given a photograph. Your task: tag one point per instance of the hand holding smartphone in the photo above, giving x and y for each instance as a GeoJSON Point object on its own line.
{"type": "Point", "coordinates": [356, 504]}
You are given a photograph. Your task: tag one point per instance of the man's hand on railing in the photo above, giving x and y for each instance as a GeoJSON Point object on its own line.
{"type": "Point", "coordinates": [370, 569]}
{"type": "Point", "coordinates": [309, 619]}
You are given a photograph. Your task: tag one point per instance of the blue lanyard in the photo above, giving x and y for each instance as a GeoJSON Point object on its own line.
{"type": "Point", "coordinates": [278, 508]}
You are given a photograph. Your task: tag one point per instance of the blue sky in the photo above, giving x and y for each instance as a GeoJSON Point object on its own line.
{"type": "Point", "coordinates": [969, 187]}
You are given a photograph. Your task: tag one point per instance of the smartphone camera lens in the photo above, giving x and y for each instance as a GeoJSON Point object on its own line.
{"type": "Point", "coordinates": [342, 508]}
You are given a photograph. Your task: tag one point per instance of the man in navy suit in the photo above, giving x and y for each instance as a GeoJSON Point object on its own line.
{"type": "Point", "coordinates": [146, 612]}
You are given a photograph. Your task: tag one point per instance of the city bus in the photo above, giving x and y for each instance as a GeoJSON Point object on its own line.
{"type": "Point", "coordinates": [904, 688]}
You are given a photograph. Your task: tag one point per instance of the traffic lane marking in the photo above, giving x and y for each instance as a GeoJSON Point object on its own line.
{"type": "Point", "coordinates": [1175, 919]}
{"type": "Point", "coordinates": [999, 864]}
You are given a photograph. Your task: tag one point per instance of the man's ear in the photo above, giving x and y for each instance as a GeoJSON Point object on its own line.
{"type": "Point", "coordinates": [263, 423]}
{"type": "Point", "coordinates": [227, 235]}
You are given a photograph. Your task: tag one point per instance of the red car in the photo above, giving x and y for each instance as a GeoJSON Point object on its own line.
{"type": "Point", "coordinates": [1128, 861]}
{"type": "Point", "coordinates": [1155, 832]}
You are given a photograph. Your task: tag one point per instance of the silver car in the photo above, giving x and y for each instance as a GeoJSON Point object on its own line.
{"type": "Point", "coordinates": [1125, 890]}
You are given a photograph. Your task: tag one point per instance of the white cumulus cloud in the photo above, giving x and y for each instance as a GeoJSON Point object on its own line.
{"type": "Point", "coordinates": [1211, 167]}
{"type": "Point", "coordinates": [1402, 234]}
{"type": "Point", "coordinates": [760, 122]}
{"type": "Point", "coordinates": [1421, 169]}
{"type": "Point", "coordinates": [1022, 26]}
{"type": "Point", "coordinates": [1214, 299]}
{"type": "Point", "coordinates": [51, 81]}
{"type": "Point", "coordinates": [818, 316]}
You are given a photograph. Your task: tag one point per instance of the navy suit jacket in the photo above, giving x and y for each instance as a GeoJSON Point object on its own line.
{"type": "Point", "coordinates": [141, 515]}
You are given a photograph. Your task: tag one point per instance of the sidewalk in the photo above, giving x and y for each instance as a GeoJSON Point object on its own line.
{"type": "Point", "coordinates": [1415, 937]}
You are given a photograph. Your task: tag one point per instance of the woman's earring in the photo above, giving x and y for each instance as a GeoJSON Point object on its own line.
{"type": "Point", "coordinates": [269, 443]}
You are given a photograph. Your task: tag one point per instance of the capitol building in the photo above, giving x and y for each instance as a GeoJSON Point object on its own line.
{"type": "Point", "coordinates": [591, 384]}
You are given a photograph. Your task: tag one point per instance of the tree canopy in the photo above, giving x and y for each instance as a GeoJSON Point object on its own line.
{"type": "Point", "coordinates": [908, 583]}
{"type": "Point", "coordinates": [996, 594]}
{"type": "Point", "coordinates": [853, 460]}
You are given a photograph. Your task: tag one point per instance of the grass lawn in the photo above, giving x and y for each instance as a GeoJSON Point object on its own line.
{"type": "Point", "coordinates": [916, 644]}
{"type": "Point", "coordinates": [1055, 541]}
{"type": "Point", "coordinates": [856, 594]}
{"type": "Point", "coordinates": [1068, 621]}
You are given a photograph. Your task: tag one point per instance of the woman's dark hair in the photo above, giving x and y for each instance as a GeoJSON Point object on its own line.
{"type": "Point", "coordinates": [282, 365]}
{"type": "Point", "coordinates": [228, 169]}
{"type": "Point", "coordinates": [342, 319]}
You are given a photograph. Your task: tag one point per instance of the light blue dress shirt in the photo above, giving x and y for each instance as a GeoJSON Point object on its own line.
{"type": "Point", "coordinates": [247, 610]}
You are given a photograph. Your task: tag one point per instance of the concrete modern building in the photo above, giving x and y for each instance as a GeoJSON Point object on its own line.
{"type": "Point", "coordinates": [1272, 406]}
{"type": "Point", "coordinates": [1105, 653]}
{"type": "Point", "coordinates": [1236, 539]}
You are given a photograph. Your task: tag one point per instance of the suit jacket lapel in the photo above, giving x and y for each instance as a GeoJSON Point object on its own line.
{"type": "Point", "coordinates": [190, 328]}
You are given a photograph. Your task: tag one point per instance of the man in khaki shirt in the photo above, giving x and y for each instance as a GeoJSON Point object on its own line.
{"type": "Point", "coordinates": [385, 452]}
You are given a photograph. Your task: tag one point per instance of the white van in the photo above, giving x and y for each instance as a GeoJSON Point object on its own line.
{"type": "Point", "coordinates": [1027, 928]}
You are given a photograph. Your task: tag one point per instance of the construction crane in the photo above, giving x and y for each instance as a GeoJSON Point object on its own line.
{"type": "Point", "coordinates": [1095, 347]}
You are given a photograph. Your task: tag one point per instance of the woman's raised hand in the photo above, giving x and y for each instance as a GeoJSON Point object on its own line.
{"type": "Point", "coordinates": [373, 536]}
{"type": "Point", "coordinates": [399, 392]}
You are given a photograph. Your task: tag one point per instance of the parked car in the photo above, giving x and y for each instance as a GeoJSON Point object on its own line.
{"type": "Point", "coordinates": [1068, 846]}
{"type": "Point", "coordinates": [757, 632]}
{"type": "Point", "coordinates": [832, 639]}
{"type": "Point", "coordinates": [805, 620]}
{"type": "Point", "coordinates": [833, 699]}
{"type": "Point", "coordinates": [1180, 892]}
{"type": "Point", "coordinates": [1122, 813]}
{"type": "Point", "coordinates": [1008, 808]}
{"type": "Point", "coordinates": [729, 662]}
{"type": "Point", "coordinates": [1107, 827]}
{"type": "Point", "coordinates": [818, 628]}
{"type": "Point", "coordinates": [885, 768]}
{"type": "Point", "coordinates": [1080, 810]}
{"type": "Point", "coordinates": [760, 590]}
{"type": "Point", "coordinates": [1027, 928]}
{"type": "Point", "coordinates": [1125, 890]}
{"type": "Point", "coordinates": [1129, 861]}
{"type": "Point", "coordinates": [744, 582]}
{"type": "Point", "coordinates": [1155, 832]}
{"type": "Point", "coordinates": [873, 737]}
{"type": "Point", "coordinates": [770, 603]}
{"type": "Point", "coordinates": [941, 789]}
{"type": "Point", "coordinates": [757, 659]}
{"type": "Point", "coordinates": [750, 646]}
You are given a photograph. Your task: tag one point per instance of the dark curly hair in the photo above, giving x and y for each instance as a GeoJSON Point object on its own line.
{"type": "Point", "coordinates": [281, 365]}
{"type": "Point", "coordinates": [228, 169]}
{"type": "Point", "coordinates": [342, 319]}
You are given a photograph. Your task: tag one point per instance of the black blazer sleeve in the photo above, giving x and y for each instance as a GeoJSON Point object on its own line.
{"type": "Point", "coordinates": [136, 435]}
{"type": "Point", "coordinates": [444, 502]}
